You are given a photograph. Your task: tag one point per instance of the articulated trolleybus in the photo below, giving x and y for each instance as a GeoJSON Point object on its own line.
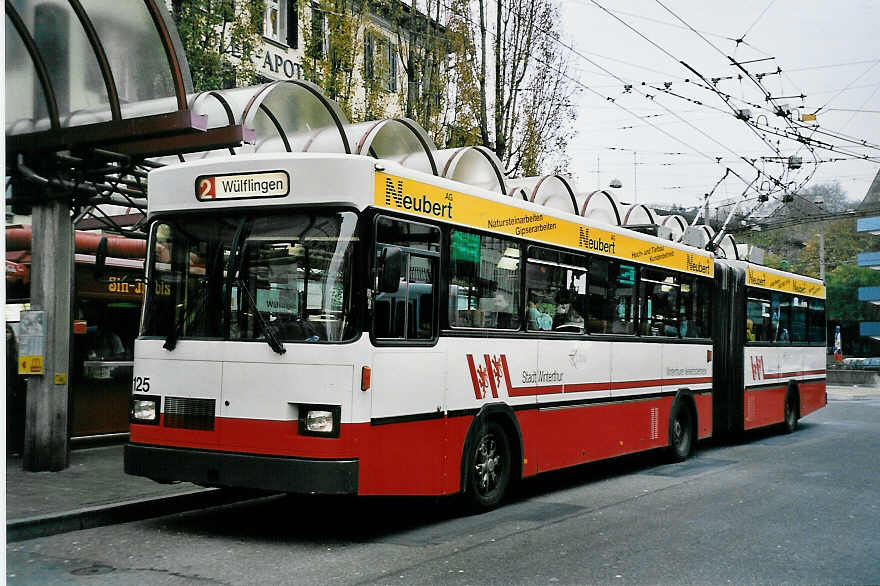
{"type": "Point", "coordinates": [338, 324]}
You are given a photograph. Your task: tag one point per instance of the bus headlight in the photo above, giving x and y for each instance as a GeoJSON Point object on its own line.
{"type": "Point", "coordinates": [322, 420]}
{"type": "Point", "coordinates": [144, 409]}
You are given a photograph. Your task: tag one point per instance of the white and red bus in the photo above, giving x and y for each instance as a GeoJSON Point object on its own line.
{"type": "Point", "coordinates": [337, 324]}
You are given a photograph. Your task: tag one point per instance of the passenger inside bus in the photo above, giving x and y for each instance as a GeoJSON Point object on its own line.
{"type": "Point", "coordinates": [538, 320]}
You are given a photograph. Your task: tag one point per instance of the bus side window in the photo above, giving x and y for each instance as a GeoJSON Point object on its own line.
{"type": "Point", "coordinates": [659, 293]}
{"type": "Point", "coordinates": [816, 322]}
{"type": "Point", "coordinates": [408, 312]}
{"type": "Point", "coordinates": [759, 323]}
{"type": "Point", "coordinates": [798, 319]}
{"type": "Point", "coordinates": [484, 282]}
{"type": "Point", "coordinates": [555, 290]}
{"type": "Point", "coordinates": [781, 310]}
{"type": "Point", "coordinates": [611, 308]}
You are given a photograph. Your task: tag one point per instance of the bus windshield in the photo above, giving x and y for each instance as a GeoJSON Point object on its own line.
{"type": "Point", "coordinates": [285, 277]}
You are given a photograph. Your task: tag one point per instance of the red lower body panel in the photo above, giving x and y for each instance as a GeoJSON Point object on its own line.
{"type": "Point", "coordinates": [766, 406]}
{"type": "Point", "coordinates": [424, 457]}
{"type": "Point", "coordinates": [813, 396]}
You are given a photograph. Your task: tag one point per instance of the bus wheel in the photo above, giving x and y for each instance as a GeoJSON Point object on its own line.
{"type": "Point", "coordinates": [790, 421]}
{"type": "Point", "coordinates": [681, 432]}
{"type": "Point", "coordinates": [489, 467]}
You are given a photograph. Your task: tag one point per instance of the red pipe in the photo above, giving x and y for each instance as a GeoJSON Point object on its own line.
{"type": "Point", "coordinates": [85, 242]}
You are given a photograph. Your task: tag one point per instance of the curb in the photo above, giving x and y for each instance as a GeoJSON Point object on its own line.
{"type": "Point", "coordinates": [122, 512]}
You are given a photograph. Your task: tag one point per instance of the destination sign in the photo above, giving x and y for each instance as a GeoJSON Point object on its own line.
{"type": "Point", "coordinates": [243, 185]}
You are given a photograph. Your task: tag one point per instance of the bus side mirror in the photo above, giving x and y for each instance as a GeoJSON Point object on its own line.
{"type": "Point", "coordinates": [390, 269]}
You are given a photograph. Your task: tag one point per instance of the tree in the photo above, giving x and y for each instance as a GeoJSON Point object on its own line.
{"type": "Point", "coordinates": [799, 243]}
{"type": "Point", "coordinates": [220, 39]}
{"type": "Point", "coordinates": [331, 47]}
{"type": "Point", "coordinates": [842, 292]}
{"type": "Point", "coordinates": [528, 114]}
{"type": "Point", "coordinates": [423, 48]}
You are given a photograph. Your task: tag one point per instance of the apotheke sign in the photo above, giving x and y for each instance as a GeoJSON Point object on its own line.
{"type": "Point", "coordinates": [275, 64]}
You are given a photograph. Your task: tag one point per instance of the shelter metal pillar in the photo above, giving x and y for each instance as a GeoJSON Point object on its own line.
{"type": "Point", "coordinates": [46, 444]}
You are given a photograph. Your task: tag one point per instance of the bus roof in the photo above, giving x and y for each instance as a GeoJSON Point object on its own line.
{"type": "Point", "coordinates": [271, 180]}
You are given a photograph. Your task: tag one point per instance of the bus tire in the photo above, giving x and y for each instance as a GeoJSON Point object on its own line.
{"type": "Point", "coordinates": [791, 411]}
{"type": "Point", "coordinates": [489, 467]}
{"type": "Point", "coordinates": [682, 431]}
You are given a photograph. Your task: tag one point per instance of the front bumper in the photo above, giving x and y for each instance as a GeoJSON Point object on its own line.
{"type": "Point", "coordinates": [278, 473]}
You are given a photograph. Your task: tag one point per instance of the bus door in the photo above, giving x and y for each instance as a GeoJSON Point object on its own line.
{"type": "Point", "coordinates": [408, 390]}
{"type": "Point", "coordinates": [728, 332]}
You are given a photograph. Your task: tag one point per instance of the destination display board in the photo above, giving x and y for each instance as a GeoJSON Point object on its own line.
{"type": "Point", "coordinates": [430, 201]}
{"type": "Point", "coordinates": [785, 283]}
{"type": "Point", "coordinates": [243, 185]}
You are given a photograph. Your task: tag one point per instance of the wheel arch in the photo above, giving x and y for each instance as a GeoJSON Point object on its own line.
{"type": "Point", "coordinates": [503, 414]}
{"type": "Point", "coordinates": [685, 397]}
{"type": "Point", "coordinates": [794, 389]}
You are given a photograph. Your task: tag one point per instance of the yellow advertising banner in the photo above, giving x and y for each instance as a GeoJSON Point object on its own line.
{"type": "Point", "coordinates": [784, 283]}
{"type": "Point", "coordinates": [429, 201]}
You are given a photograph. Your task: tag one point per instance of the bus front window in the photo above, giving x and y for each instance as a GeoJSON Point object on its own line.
{"type": "Point", "coordinates": [296, 279]}
{"type": "Point", "coordinates": [283, 276]}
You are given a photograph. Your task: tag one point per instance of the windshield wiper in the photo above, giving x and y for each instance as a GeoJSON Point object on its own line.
{"type": "Point", "coordinates": [236, 257]}
{"type": "Point", "coordinates": [273, 341]}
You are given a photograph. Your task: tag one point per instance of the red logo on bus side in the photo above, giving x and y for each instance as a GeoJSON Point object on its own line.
{"type": "Point", "coordinates": [488, 376]}
{"type": "Point", "coordinates": [757, 363]}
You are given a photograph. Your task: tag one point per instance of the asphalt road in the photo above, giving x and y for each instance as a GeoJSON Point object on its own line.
{"type": "Point", "coordinates": [803, 508]}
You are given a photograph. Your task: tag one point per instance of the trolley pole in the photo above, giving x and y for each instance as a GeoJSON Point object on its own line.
{"type": "Point", "coordinates": [46, 443]}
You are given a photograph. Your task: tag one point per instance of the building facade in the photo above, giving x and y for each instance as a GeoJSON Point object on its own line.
{"type": "Point", "coordinates": [295, 33]}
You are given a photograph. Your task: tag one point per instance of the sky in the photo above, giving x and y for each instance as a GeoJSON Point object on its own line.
{"type": "Point", "coordinates": [828, 51]}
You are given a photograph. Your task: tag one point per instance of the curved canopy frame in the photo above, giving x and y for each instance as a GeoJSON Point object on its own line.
{"type": "Point", "coordinates": [473, 165]}
{"type": "Point", "coordinates": [69, 56]}
{"type": "Point", "coordinates": [518, 193]}
{"type": "Point", "coordinates": [728, 248]}
{"type": "Point", "coordinates": [553, 191]}
{"type": "Point", "coordinates": [602, 206]}
{"type": "Point", "coordinates": [280, 116]}
{"type": "Point", "coordinates": [676, 223]}
{"type": "Point", "coordinates": [639, 214]}
{"type": "Point", "coordinates": [699, 236]}
{"type": "Point", "coordinates": [398, 139]}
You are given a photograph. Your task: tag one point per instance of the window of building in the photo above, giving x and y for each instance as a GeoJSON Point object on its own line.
{"type": "Point", "coordinates": [369, 50]}
{"type": "Point", "coordinates": [273, 22]}
{"type": "Point", "coordinates": [292, 24]}
{"type": "Point", "coordinates": [611, 305]}
{"type": "Point", "coordinates": [659, 295]}
{"type": "Point", "coordinates": [408, 312]}
{"type": "Point", "coordinates": [484, 281]}
{"type": "Point", "coordinates": [556, 287]}
{"type": "Point", "coordinates": [391, 56]}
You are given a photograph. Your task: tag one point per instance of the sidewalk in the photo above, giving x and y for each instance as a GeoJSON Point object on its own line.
{"type": "Point", "coordinates": [94, 491]}
{"type": "Point", "coordinates": [851, 392]}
